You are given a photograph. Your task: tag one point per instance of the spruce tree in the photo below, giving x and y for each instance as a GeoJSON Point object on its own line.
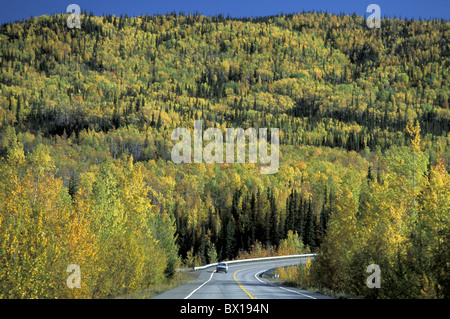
{"type": "Point", "coordinates": [309, 237]}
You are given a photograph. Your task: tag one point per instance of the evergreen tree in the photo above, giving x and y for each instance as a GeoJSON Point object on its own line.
{"type": "Point", "coordinates": [309, 236]}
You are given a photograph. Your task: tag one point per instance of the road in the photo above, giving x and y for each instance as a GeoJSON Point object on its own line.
{"type": "Point", "coordinates": [242, 281]}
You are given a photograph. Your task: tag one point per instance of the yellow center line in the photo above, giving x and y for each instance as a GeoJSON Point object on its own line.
{"type": "Point", "coordinates": [240, 285]}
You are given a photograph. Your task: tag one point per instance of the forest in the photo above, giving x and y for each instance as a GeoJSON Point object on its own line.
{"type": "Point", "coordinates": [86, 176]}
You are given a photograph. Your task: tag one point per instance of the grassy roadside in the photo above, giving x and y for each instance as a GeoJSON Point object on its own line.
{"type": "Point", "coordinates": [180, 278]}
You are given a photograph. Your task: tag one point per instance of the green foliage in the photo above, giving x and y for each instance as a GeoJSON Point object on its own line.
{"type": "Point", "coordinates": [86, 177]}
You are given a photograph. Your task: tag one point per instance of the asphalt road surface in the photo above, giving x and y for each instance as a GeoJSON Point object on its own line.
{"type": "Point", "coordinates": [243, 281]}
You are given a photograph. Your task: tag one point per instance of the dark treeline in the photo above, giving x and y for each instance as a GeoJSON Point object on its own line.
{"type": "Point", "coordinates": [252, 217]}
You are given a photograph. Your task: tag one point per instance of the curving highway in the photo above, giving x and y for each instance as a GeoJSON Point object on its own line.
{"type": "Point", "coordinates": [242, 281]}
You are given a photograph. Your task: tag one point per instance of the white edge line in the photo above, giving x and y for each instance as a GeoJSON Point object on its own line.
{"type": "Point", "coordinates": [297, 292]}
{"type": "Point", "coordinates": [256, 276]}
{"type": "Point", "coordinates": [193, 291]}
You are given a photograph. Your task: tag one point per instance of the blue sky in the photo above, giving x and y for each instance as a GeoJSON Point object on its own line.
{"type": "Point", "coordinates": [22, 9]}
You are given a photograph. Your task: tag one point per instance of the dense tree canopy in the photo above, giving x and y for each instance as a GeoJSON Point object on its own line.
{"type": "Point", "coordinates": [86, 177]}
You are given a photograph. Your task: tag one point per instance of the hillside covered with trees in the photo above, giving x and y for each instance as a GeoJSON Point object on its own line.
{"type": "Point", "coordinates": [86, 176]}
